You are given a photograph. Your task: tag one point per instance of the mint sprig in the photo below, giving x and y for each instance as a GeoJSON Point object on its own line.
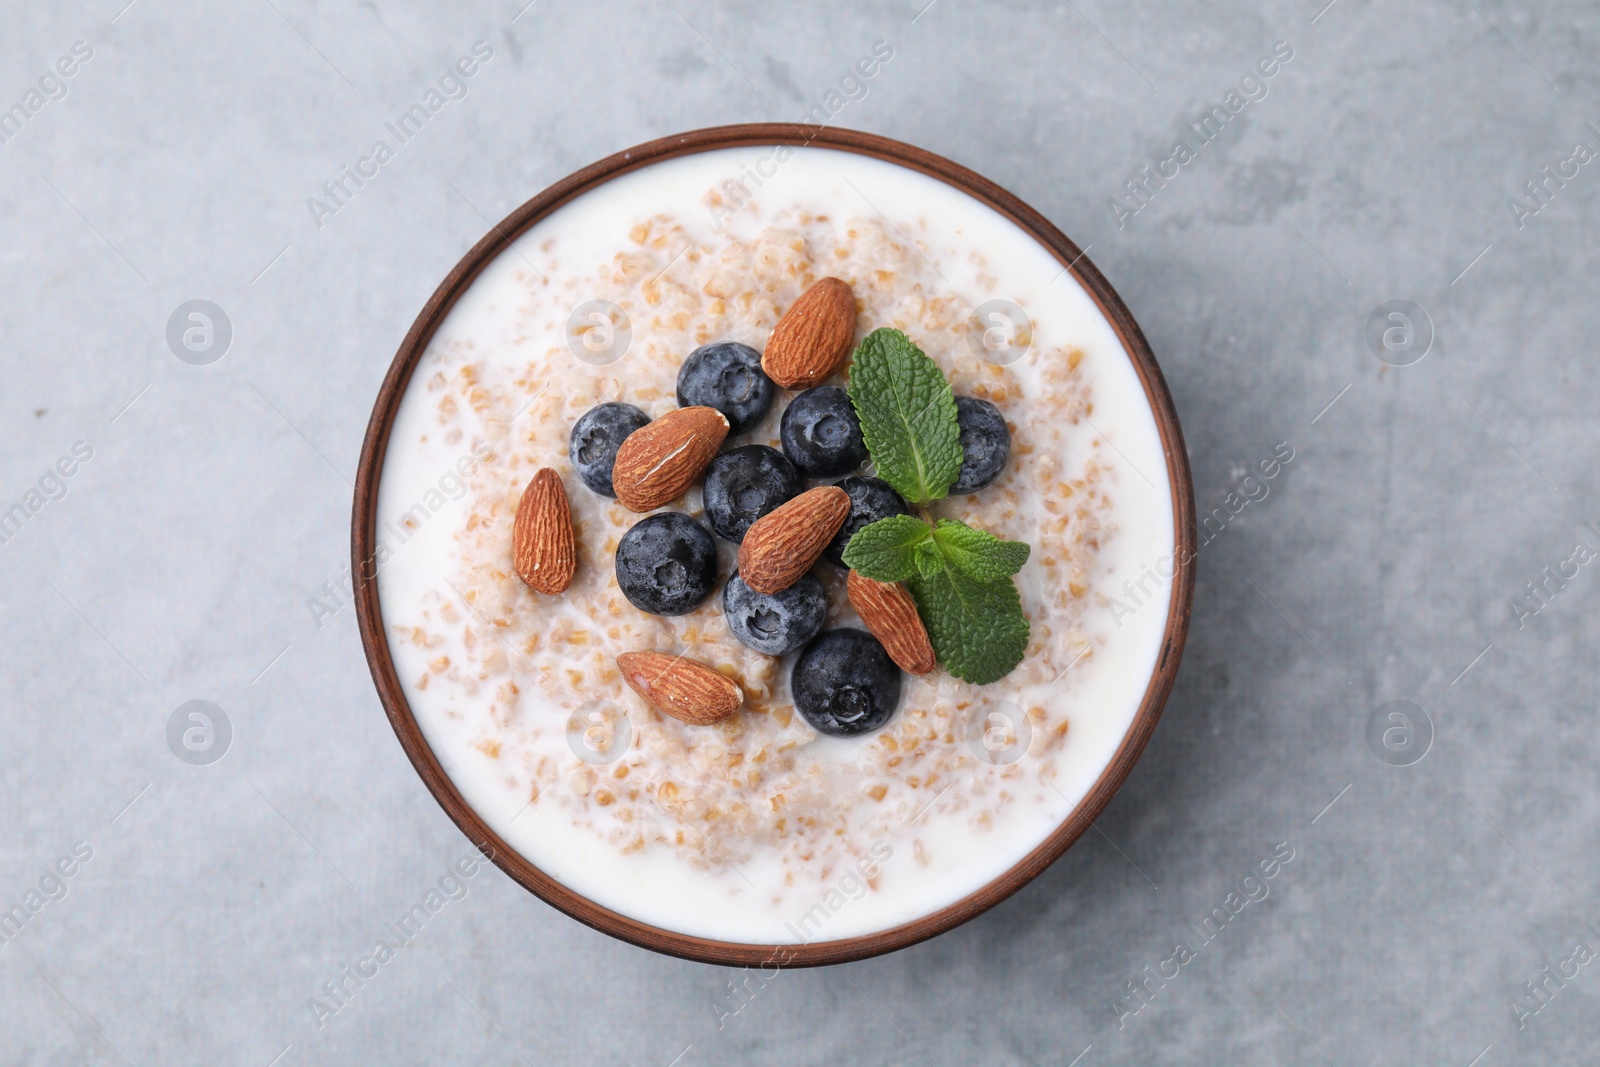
{"type": "Point", "coordinates": [908, 415]}
{"type": "Point", "coordinates": [961, 580]}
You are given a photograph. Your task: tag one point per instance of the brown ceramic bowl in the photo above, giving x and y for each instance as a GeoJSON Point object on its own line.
{"type": "Point", "coordinates": [364, 541]}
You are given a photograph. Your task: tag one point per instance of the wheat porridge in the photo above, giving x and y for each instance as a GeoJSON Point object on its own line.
{"type": "Point", "coordinates": [739, 819]}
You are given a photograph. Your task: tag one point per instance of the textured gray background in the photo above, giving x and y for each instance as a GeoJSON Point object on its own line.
{"type": "Point", "coordinates": [178, 565]}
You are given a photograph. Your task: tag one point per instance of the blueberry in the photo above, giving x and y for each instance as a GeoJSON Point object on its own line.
{"type": "Point", "coordinates": [726, 376]}
{"type": "Point", "coordinates": [776, 624]}
{"type": "Point", "coordinates": [821, 433]}
{"type": "Point", "coordinates": [595, 440]}
{"type": "Point", "coordinates": [845, 684]}
{"type": "Point", "coordinates": [985, 444]}
{"type": "Point", "coordinates": [871, 499]}
{"type": "Point", "coordinates": [666, 564]}
{"type": "Point", "coordinates": [743, 484]}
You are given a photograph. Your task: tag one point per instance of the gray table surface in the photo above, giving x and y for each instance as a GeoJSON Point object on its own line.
{"type": "Point", "coordinates": [1423, 897]}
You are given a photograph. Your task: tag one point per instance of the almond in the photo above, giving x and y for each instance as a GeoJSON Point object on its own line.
{"type": "Point", "coordinates": [814, 336]}
{"type": "Point", "coordinates": [891, 615]}
{"type": "Point", "coordinates": [683, 688]}
{"type": "Point", "coordinates": [783, 544]}
{"type": "Point", "coordinates": [542, 548]}
{"type": "Point", "coordinates": [658, 461]}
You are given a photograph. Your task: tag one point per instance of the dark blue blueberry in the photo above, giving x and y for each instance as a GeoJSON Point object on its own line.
{"type": "Point", "coordinates": [743, 484]}
{"type": "Point", "coordinates": [821, 433]}
{"type": "Point", "coordinates": [985, 444]}
{"type": "Point", "coordinates": [776, 624]}
{"type": "Point", "coordinates": [726, 376]}
{"type": "Point", "coordinates": [595, 440]}
{"type": "Point", "coordinates": [666, 564]}
{"type": "Point", "coordinates": [844, 683]}
{"type": "Point", "coordinates": [871, 499]}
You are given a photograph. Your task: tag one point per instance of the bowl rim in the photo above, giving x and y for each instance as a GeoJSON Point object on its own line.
{"type": "Point", "coordinates": [364, 546]}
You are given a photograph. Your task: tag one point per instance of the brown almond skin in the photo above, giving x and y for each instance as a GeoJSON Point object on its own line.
{"type": "Point", "coordinates": [783, 544]}
{"type": "Point", "coordinates": [542, 544]}
{"type": "Point", "coordinates": [658, 461]}
{"type": "Point", "coordinates": [687, 690]}
{"type": "Point", "coordinates": [814, 337]}
{"type": "Point", "coordinates": [891, 614]}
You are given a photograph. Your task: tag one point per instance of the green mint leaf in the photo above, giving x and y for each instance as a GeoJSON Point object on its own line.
{"type": "Point", "coordinates": [908, 415]}
{"type": "Point", "coordinates": [885, 550]}
{"type": "Point", "coordinates": [978, 554]}
{"type": "Point", "coordinates": [977, 628]}
{"type": "Point", "coordinates": [928, 558]}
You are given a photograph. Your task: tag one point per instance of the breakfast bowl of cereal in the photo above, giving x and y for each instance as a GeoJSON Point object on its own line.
{"type": "Point", "coordinates": [773, 550]}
